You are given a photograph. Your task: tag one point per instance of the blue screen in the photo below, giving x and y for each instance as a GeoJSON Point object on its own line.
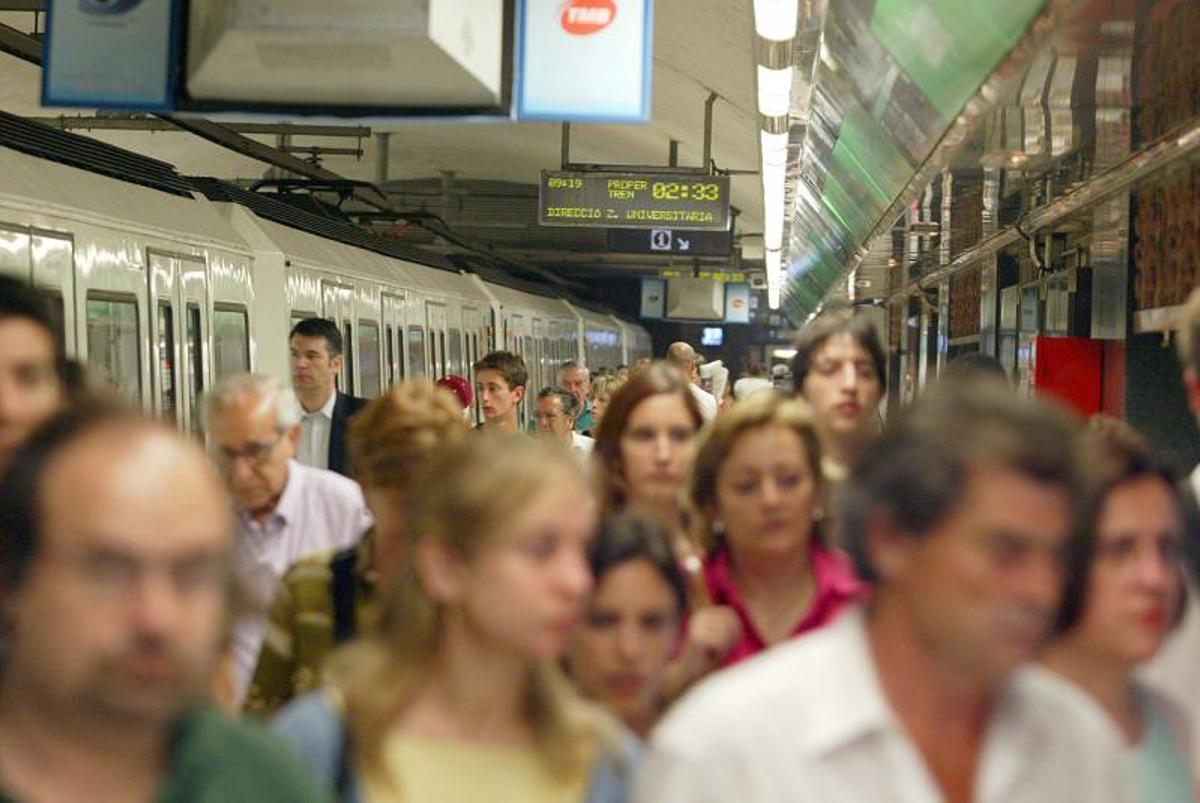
{"type": "Point", "coordinates": [712, 336]}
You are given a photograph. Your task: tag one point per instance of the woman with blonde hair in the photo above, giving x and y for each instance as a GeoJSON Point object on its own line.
{"type": "Point", "coordinates": [459, 695]}
{"type": "Point", "coordinates": [758, 493]}
{"type": "Point", "coordinates": [323, 600]}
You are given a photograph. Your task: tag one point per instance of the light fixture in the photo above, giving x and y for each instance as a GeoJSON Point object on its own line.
{"type": "Point", "coordinates": [774, 263]}
{"type": "Point", "coordinates": [774, 183]}
{"type": "Point", "coordinates": [775, 20]}
{"type": "Point", "coordinates": [774, 91]}
{"type": "Point", "coordinates": [784, 354]}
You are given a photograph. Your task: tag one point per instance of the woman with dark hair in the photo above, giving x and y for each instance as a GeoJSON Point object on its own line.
{"type": "Point", "coordinates": [632, 626]}
{"type": "Point", "coordinates": [645, 446]}
{"type": "Point", "coordinates": [1122, 597]}
{"type": "Point", "coordinates": [758, 492]}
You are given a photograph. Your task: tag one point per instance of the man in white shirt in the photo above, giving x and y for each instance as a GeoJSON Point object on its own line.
{"type": "Point", "coordinates": [960, 515]}
{"type": "Point", "coordinates": [753, 382]}
{"type": "Point", "coordinates": [683, 357]}
{"type": "Point", "coordinates": [555, 411]}
{"type": "Point", "coordinates": [315, 345]}
{"type": "Point", "coordinates": [286, 510]}
{"type": "Point", "coordinates": [1175, 671]}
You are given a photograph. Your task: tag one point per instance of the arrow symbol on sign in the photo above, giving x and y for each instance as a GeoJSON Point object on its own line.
{"type": "Point", "coordinates": [684, 245]}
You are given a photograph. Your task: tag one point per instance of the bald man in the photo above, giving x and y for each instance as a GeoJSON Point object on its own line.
{"type": "Point", "coordinates": [115, 539]}
{"type": "Point", "coordinates": [683, 357]}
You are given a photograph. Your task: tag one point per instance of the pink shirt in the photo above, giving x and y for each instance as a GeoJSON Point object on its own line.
{"type": "Point", "coordinates": [837, 586]}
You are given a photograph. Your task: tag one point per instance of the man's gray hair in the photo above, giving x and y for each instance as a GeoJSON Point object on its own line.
{"type": "Point", "coordinates": [566, 366]}
{"type": "Point", "coordinates": [570, 404]}
{"type": "Point", "coordinates": [269, 391]}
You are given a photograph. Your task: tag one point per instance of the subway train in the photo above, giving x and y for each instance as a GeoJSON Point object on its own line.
{"type": "Point", "coordinates": [164, 284]}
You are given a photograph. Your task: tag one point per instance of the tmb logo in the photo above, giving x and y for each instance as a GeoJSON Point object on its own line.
{"type": "Point", "coordinates": [584, 17]}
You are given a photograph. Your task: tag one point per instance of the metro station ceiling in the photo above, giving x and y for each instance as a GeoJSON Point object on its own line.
{"type": "Point", "coordinates": [480, 178]}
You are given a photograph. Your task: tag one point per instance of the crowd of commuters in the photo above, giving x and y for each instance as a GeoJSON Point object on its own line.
{"type": "Point", "coordinates": [655, 593]}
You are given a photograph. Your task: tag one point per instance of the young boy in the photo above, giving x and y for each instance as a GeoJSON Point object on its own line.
{"type": "Point", "coordinates": [500, 379]}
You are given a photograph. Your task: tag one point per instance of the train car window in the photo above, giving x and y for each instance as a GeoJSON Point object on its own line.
{"type": "Point", "coordinates": [166, 359]}
{"type": "Point", "coordinates": [231, 340]}
{"type": "Point", "coordinates": [55, 300]}
{"type": "Point", "coordinates": [195, 364]}
{"type": "Point", "coordinates": [416, 350]}
{"type": "Point", "coordinates": [348, 357]}
{"type": "Point", "coordinates": [114, 344]}
{"type": "Point", "coordinates": [368, 358]}
{"type": "Point", "coordinates": [456, 352]}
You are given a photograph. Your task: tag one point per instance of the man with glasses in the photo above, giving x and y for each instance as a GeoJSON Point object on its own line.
{"type": "Point", "coordinates": [286, 511]}
{"type": "Point", "coordinates": [114, 572]}
{"type": "Point", "coordinates": [555, 412]}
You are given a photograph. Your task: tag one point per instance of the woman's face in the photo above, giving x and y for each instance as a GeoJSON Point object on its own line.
{"type": "Point", "coordinates": [766, 494]}
{"type": "Point", "coordinates": [630, 630]}
{"type": "Point", "coordinates": [1135, 585]}
{"type": "Point", "coordinates": [657, 448]}
{"type": "Point", "coordinates": [599, 405]}
{"type": "Point", "coordinates": [523, 592]}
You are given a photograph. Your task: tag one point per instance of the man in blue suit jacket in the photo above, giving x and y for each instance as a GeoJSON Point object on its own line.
{"type": "Point", "coordinates": [316, 358]}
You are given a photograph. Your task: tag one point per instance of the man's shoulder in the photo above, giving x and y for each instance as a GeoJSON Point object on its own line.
{"type": "Point", "coordinates": [351, 404]}
{"type": "Point", "coordinates": [329, 484]}
{"type": "Point", "coordinates": [218, 759]}
{"type": "Point", "coordinates": [738, 706]}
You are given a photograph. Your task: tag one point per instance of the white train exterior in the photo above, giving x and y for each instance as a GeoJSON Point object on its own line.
{"type": "Point", "coordinates": [162, 291]}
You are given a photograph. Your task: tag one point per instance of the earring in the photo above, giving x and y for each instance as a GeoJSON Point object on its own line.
{"type": "Point", "coordinates": [718, 527]}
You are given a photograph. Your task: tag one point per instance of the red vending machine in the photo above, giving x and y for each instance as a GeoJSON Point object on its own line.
{"type": "Point", "coordinates": [1067, 368]}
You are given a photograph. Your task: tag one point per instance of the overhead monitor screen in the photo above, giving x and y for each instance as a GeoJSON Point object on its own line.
{"type": "Point", "coordinates": [712, 336]}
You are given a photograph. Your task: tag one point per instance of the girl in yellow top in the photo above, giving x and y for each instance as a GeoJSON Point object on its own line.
{"type": "Point", "coordinates": [458, 696]}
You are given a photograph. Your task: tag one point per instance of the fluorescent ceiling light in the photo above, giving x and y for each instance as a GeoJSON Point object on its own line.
{"type": "Point", "coordinates": [785, 354]}
{"type": "Point", "coordinates": [774, 91]}
{"type": "Point", "coordinates": [776, 19]}
{"type": "Point", "coordinates": [773, 296]}
{"type": "Point", "coordinates": [774, 147]}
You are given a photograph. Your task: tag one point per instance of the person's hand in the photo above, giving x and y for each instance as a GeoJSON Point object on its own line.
{"type": "Point", "coordinates": [712, 632]}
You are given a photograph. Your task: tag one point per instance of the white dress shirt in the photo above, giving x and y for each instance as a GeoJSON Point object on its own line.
{"type": "Point", "coordinates": [749, 385]}
{"type": "Point", "coordinates": [707, 402]}
{"type": "Point", "coordinates": [318, 511]}
{"type": "Point", "coordinates": [807, 722]}
{"type": "Point", "coordinates": [313, 449]}
{"type": "Point", "coordinates": [582, 443]}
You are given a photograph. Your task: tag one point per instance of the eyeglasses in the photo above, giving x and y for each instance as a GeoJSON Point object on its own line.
{"type": "Point", "coordinates": [547, 416]}
{"type": "Point", "coordinates": [256, 453]}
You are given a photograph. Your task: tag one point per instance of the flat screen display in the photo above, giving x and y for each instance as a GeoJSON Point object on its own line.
{"type": "Point", "coordinates": [712, 336]}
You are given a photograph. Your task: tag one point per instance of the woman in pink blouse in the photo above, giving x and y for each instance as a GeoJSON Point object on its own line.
{"type": "Point", "coordinates": [758, 493]}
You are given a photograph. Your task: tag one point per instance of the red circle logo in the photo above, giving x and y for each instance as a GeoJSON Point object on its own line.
{"type": "Point", "coordinates": [584, 17]}
{"type": "Point", "coordinates": [738, 303]}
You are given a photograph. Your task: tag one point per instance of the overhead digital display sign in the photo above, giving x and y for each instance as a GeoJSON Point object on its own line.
{"type": "Point", "coordinates": [634, 200]}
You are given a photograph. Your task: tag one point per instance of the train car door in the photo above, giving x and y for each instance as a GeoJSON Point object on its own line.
{"type": "Point", "coordinates": [53, 272]}
{"type": "Point", "coordinates": [435, 324]}
{"type": "Point", "coordinates": [164, 302]}
{"type": "Point", "coordinates": [338, 302]}
{"type": "Point", "coordinates": [195, 369]}
{"type": "Point", "coordinates": [393, 337]}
